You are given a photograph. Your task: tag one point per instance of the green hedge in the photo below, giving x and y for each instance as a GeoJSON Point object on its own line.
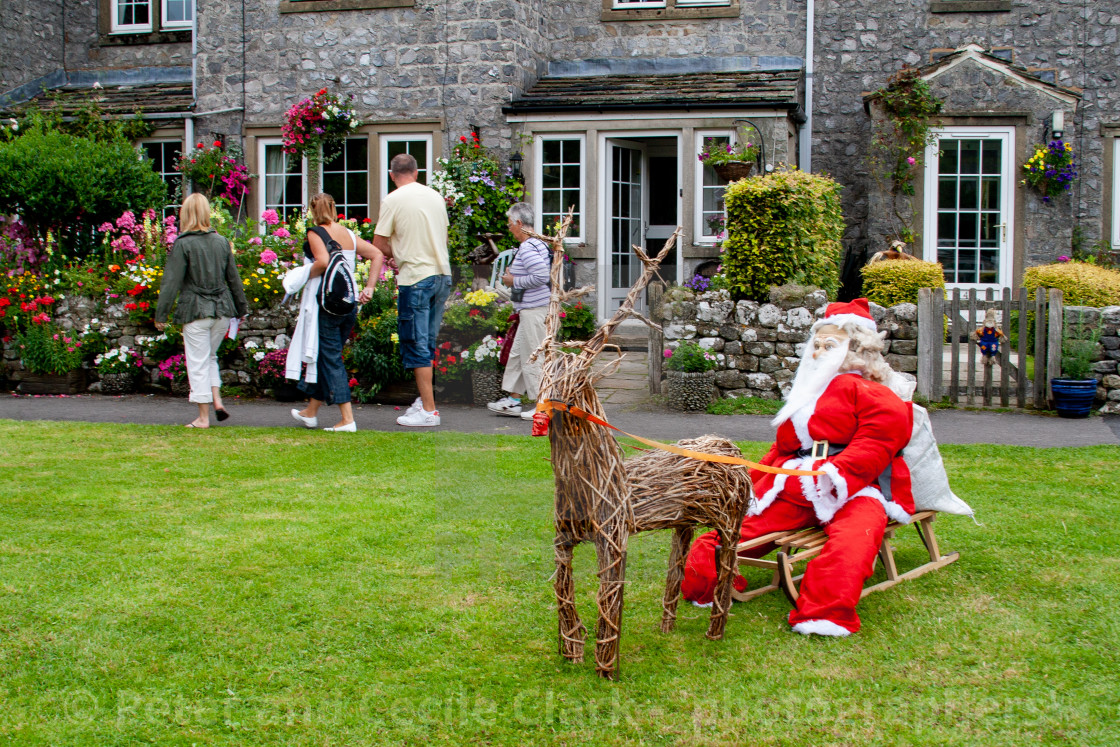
{"type": "Point", "coordinates": [1081, 284]}
{"type": "Point", "coordinates": [896, 281]}
{"type": "Point", "coordinates": [785, 227]}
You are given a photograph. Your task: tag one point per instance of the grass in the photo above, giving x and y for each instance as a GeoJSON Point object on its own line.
{"type": "Point", "coordinates": [280, 587]}
{"type": "Point", "coordinates": [744, 406]}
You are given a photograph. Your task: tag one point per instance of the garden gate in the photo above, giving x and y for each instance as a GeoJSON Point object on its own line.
{"type": "Point", "coordinates": [1027, 360]}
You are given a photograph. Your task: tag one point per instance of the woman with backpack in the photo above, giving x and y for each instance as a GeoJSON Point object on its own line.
{"type": "Point", "coordinates": [202, 274]}
{"type": "Point", "coordinates": [328, 311]}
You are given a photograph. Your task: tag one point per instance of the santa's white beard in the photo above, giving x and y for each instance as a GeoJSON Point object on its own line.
{"type": "Point", "coordinates": [811, 379]}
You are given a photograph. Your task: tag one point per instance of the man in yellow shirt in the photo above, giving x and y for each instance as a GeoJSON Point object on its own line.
{"type": "Point", "coordinates": [412, 229]}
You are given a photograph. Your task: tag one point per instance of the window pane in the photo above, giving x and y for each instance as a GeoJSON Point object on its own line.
{"type": "Point", "coordinates": [989, 193]}
{"type": "Point", "coordinates": [970, 156]}
{"type": "Point", "coordinates": [162, 156]}
{"type": "Point", "coordinates": [947, 193]}
{"type": "Point", "coordinates": [947, 163]}
{"type": "Point", "coordinates": [967, 229]}
{"type": "Point", "coordinates": [992, 157]}
{"type": "Point", "coordinates": [970, 195]}
{"type": "Point", "coordinates": [551, 150]}
{"type": "Point", "coordinates": [989, 229]}
{"type": "Point", "coordinates": [946, 229]}
{"type": "Point", "coordinates": [335, 186]}
{"type": "Point", "coordinates": [989, 266]}
{"type": "Point", "coordinates": [550, 177]}
{"type": "Point", "coordinates": [948, 260]}
{"type": "Point", "coordinates": [560, 181]}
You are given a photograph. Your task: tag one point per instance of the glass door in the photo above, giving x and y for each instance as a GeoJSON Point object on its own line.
{"type": "Point", "coordinates": [969, 206]}
{"type": "Point", "coordinates": [626, 181]}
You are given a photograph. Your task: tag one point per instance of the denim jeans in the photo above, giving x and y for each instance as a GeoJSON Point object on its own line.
{"type": "Point", "coordinates": [419, 314]}
{"type": "Point", "coordinates": [333, 384]}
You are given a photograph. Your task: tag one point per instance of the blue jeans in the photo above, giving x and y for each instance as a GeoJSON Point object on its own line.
{"type": "Point", "coordinates": [419, 314]}
{"type": "Point", "coordinates": [333, 384]}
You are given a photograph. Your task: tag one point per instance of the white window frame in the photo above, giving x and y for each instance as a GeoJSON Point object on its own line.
{"type": "Point", "coordinates": [170, 25]}
{"type": "Point", "coordinates": [131, 28]}
{"type": "Point", "coordinates": [1116, 193]}
{"type": "Point", "coordinates": [698, 224]}
{"type": "Point", "coordinates": [262, 180]}
{"type": "Point", "coordinates": [163, 174]}
{"type": "Point", "coordinates": [700, 3]}
{"type": "Point", "coordinates": [645, 4]}
{"type": "Point", "coordinates": [538, 180]}
{"type": "Point", "coordinates": [1007, 208]}
{"type": "Point", "coordinates": [623, 5]}
{"type": "Point", "coordinates": [398, 137]}
{"type": "Point", "coordinates": [369, 202]}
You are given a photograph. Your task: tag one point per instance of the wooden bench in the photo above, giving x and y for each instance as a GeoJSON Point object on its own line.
{"type": "Point", "coordinates": [799, 546]}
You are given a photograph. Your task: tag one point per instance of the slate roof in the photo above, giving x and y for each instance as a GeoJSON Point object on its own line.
{"type": "Point", "coordinates": [707, 90]}
{"type": "Point", "coordinates": [163, 98]}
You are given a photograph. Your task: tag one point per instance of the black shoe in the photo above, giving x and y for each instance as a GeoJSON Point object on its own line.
{"type": "Point", "coordinates": [221, 413]}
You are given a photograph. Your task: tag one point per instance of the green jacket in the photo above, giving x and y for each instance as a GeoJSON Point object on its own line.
{"type": "Point", "coordinates": [202, 272]}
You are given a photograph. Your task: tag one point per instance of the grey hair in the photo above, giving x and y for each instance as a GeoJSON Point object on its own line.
{"type": "Point", "coordinates": [522, 212]}
{"type": "Point", "coordinates": [865, 354]}
{"type": "Point", "coordinates": [402, 164]}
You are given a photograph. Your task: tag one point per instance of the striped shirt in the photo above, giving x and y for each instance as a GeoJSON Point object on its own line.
{"type": "Point", "coordinates": [530, 269]}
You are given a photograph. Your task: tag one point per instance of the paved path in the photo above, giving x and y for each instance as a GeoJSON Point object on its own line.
{"type": "Point", "coordinates": [951, 426]}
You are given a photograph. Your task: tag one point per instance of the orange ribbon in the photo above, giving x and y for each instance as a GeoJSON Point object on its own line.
{"type": "Point", "coordinates": [546, 406]}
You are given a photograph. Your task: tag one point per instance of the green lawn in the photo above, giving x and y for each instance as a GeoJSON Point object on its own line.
{"type": "Point", "coordinates": [283, 587]}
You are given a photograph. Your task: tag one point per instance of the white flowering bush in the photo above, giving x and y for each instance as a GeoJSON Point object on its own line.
{"type": "Point", "coordinates": [483, 355]}
{"type": "Point", "coordinates": [119, 360]}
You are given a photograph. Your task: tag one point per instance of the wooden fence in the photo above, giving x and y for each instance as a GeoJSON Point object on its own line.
{"type": "Point", "coordinates": [947, 370]}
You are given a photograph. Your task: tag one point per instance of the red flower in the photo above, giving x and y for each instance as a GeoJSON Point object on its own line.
{"type": "Point", "coordinates": [353, 381]}
{"type": "Point", "coordinates": [130, 307]}
{"type": "Point", "coordinates": [197, 145]}
{"type": "Point", "coordinates": [137, 290]}
{"type": "Point", "coordinates": [462, 138]}
{"type": "Point", "coordinates": [143, 305]}
{"type": "Point", "coordinates": [4, 302]}
{"type": "Point", "coordinates": [341, 217]}
{"type": "Point", "coordinates": [322, 92]}
{"type": "Point", "coordinates": [474, 312]}
{"type": "Point", "coordinates": [366, 220]}
{"type": "Point", "coordinates": [445, 345]}
{"type": "Point", "coordinates": [451, 360]}
{"type": "Point", "coordinates": [217, 143]}
{"type": "Point", "coordinates": [443, 369]}
{"type": "Point", "coordinates": [24, 306]}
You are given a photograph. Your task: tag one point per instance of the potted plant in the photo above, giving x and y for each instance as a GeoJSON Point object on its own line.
{"type": "Point", "coordinates": [117, 369]}
{"type": "Point", "coordinates": [1051, 169]}
{"type": "Point", "coordinates": [215, 171]}
{"type": "Point", "coordinates": [174, 370]}
{"type": "Point", "coordinates": [270, 376]}
{"type": "Point", "coordinates": [731, 162]}
{"type": "Point", "coordinates": [690, 370]}
{"type": "Point", "coordinates": [51, 357]}
{"type": "Point", "coordinates": [316, 128]}
{"type": "Point", "coordinates": [1075, 391]}
{"type": "Point", "coordinates": [481, 359]}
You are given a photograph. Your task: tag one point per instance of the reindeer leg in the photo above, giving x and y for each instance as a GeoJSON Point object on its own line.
{"type": "Point", "coordinates": [721, 606]}
{"type": "Point", "coordinates": [682, 540]}
{"type": "Point", "coordinates": [610, 546]}
{"type": "Point", "coordinates": [572, 631]}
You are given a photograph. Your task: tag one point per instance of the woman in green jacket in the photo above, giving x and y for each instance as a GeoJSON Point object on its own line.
{"type": "Point", "coordinates": [202, 273]}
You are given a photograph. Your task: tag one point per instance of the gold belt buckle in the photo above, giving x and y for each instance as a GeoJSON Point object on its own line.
{"type": "Point", "coordinates": [820, 450]}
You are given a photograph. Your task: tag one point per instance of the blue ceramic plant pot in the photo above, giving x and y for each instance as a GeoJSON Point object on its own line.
{"type": "Point", "coordinates": [1073, 398]}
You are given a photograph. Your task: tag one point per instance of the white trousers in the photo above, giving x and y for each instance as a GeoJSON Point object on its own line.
{"type": "Point", "coordinates": [521, 376]}
{"type": "Point", "coordinates": [201, 339]}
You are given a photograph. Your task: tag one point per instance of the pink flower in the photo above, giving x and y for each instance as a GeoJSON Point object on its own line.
{"type": "Point", "coordinates": [668, 353]}
{"type": "Point", "coordinates": [270, 217]}
{"type": "Point", "coordinates": [911, 160]}
{"type": "Point", "coordinates": [1063, 258]}
{"type": "Point", "coordinates": [563, 315]}
{"type": "Point", "coordinates": [125, 244]}
{"type": "Point", "coordinates": [268, 257]}
{"type": "Point", "coordinates": [106, 226]}
{"type": "Point", "coordinates": [281, 233]}
{"type": "Point", "coordinates": [127, 221]}
{"type": "Point", "coordinates": [256, 241]}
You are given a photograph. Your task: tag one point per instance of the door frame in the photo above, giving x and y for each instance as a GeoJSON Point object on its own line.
{"type": "Point", "coordinates": [1007, 202]}
{"type": "Point", "coordinates": [603, 197]}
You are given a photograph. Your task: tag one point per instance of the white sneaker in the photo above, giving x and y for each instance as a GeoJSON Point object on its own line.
{"type": "Point", "coordinates": [415, 406]}
{"type": "Point", "coordinates": [307, 422]}
{"type": "Point", "coordinates": [528, 414]}
{"type": "Point", "coordinates": [350, 427]}
{"type": "Point", "coordinates": [506, 406]}
{"type": "Point", "coordinates": [420, 419]}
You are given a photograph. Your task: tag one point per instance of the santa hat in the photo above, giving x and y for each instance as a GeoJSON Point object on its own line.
{"type": "Point", "coordinates": [855, 312]}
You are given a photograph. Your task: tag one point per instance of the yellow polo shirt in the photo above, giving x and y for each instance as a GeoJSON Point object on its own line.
{"type": "Point", "coordinates": [414, 219]}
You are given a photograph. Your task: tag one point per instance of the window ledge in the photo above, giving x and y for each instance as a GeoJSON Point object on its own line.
{"type": "Point", "coordinates": [146, 37]}
{"type": "Point", "coordinates": [969, 6]}
{"type": "Point", "coordinates": [313, 6]}
{"type": "Point", "coordinates": [611, 13]}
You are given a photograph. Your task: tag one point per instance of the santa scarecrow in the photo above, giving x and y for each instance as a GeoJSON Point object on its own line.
{"type": "Point", "coordinates": [844, 416]}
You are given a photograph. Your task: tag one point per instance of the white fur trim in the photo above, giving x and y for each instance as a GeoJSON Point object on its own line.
{"type": "Point", "coordinates": [821, 627]}
{"type": "Point", "coordinates": [763, 502]}
{"type": "Point", "coordinates": [800, 422]}
{"type": "Point", "coordinates": [840, 320]}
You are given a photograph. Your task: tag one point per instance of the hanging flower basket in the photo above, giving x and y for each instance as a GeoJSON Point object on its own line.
{"type": "Point", "coordinates": [690, 392]}
{"type": "Point", "coordinates": [486, 386]}
{"type": "Point", "coordinates": [732, 170]}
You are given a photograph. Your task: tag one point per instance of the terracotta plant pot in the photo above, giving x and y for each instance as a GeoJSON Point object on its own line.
{"type": "Point", "coordinates": [71, 382]}
{"type": "Point", "coordinates": [690, 392]}
{"type": "Point", "coordinates": [732, 170]}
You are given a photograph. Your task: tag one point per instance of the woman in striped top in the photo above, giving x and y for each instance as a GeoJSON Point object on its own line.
{"type": "Point", "coordinates": [528, 276]}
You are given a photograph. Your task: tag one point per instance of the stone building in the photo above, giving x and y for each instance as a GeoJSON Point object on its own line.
{"type": "Point", "coordinates": [609, 101]}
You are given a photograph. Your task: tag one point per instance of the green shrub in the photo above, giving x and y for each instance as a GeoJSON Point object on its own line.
{"type": "Point", "coordinates": [69, 185]}
{"type": "Point", "coordinates": [688, 357]}
{"type": "Point", "coordinates": [784, 227]}
{"type": "Point", "coordinates": [577, 322]}
{"type": "Point", "coordinates": [896, 281]}
{"type": "Point", "coordinates": [1081, 284]}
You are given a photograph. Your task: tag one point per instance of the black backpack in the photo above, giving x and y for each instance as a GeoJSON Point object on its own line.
{"type": "Point", "coordinates": [336, 289]}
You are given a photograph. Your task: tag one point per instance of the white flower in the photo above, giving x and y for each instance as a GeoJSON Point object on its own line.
{"type": "Point", "coordinates": [93, 321]}
{"type": "Point", "coordinates": [258, 356]}
{"type": "Point", "coordinates": [270, 344]}
{"type": "Point", "coordinates": [353, 123]}
{"type": "Point", "coordinates": [251, 344]}
{"type": "Point", "coordinates": [260, 270]}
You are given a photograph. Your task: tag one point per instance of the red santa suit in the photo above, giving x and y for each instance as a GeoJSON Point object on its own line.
{"type": "Point", "coordinates": [865, 482]}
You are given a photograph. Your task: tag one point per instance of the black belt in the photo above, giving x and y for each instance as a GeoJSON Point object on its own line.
{"type": "Point", "coordinates": [833, 450]}
{"type": "Point", "coordinates": [884, 480]}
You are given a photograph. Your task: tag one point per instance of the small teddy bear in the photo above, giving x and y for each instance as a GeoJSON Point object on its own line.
{"type": "Point", "coordinates": [988, 337]}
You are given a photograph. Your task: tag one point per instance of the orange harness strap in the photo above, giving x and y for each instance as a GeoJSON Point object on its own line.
{"type": "Point", "coordinates": [548, 406]}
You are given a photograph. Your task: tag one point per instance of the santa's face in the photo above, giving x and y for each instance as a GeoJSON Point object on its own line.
{"type": "Point", "coordinates": [827, 339]}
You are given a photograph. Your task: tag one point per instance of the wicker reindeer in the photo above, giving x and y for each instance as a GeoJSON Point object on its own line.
{"type": "Point", "coordinates": [602, 499]}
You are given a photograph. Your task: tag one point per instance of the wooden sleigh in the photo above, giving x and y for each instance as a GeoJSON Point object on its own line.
{"type": "Point", "coordinates": [801, 545]}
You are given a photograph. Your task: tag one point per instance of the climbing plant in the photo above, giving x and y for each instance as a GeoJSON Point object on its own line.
{"type": "Point", "coordinates": [898, 147]}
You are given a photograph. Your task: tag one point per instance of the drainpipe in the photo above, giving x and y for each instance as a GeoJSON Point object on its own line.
{"type": "Point", "coordinates": [188, 121]}
{"type": "Point", "coordinates": [805, 136]}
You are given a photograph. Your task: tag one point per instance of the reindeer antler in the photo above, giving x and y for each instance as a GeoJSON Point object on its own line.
{"type": "Point", "coordinates": [552, 320]}
{"type": "Point", "coordinates": [595, 345]}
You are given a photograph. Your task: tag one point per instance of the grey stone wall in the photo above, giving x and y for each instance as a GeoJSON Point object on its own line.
{"type": "Point", "coordinates": [758, 346]}
{"type": "Point", "coordinates": [860, 43]}
{"type": "Point", "coordinates": [1107, 320]}
{"type": "Point", "coordinates": [86, 49]}
{"type": "Point", "coordinates": [30, 42]}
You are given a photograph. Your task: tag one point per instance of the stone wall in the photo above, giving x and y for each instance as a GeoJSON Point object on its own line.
{"type": "Point", "coordinates": [1107, 320]}
{"type": "Point", "coordinates": [759, 345]}
{"type": "Point", "coordinates": [30, 42]}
